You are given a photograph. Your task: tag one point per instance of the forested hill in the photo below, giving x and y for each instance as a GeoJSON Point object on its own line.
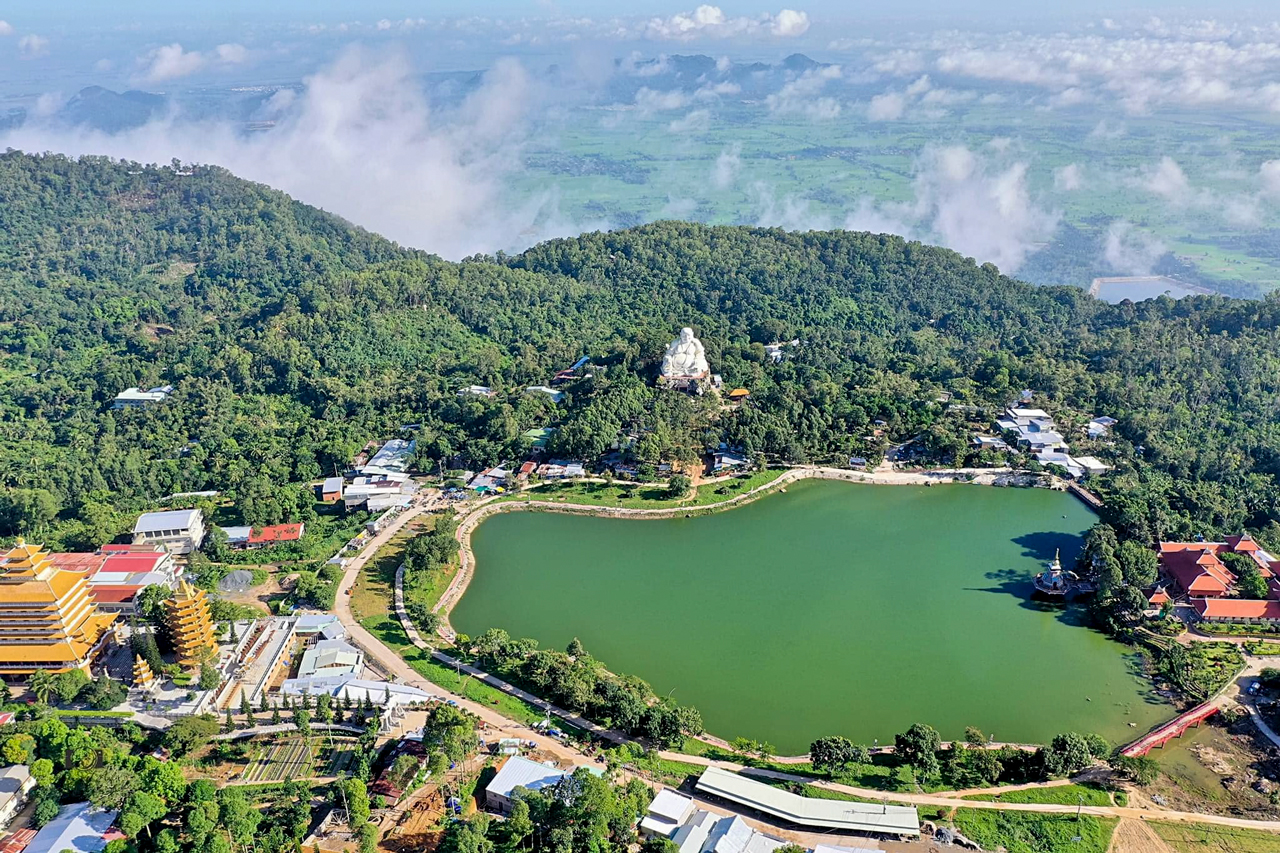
{"type": "Point", "coordinates": [293, 337]}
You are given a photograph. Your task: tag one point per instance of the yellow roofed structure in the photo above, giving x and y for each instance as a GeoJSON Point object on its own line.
{"type": "Point", "coordinates": [48, 619]}
{"type": "Point", "coordinates": [191, 625]}
{"type": "Point", "coordinates": [143, 677]}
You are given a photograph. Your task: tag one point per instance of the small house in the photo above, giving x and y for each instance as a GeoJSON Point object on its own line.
{"type": "Point", "coordinates": [737, 395]}
{"type": "Point", "coordinates": [16, 782]}
{"type": "Point", "coordinates": [137, 398]}
{"type": "Point", "coordinates": [331, 489]}
{"type": "Point", "coordinates": [546, 390]}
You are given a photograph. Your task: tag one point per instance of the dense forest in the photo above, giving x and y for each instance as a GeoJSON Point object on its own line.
{"type": "Point", "coordinates": [292, 338]}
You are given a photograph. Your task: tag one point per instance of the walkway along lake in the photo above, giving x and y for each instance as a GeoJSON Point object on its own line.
{"type": "Point", "coordinates": [835, 608]}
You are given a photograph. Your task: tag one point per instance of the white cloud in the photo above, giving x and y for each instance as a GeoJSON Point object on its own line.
{"type": "Point", "coordinates": [711, 22]}
{"type": "Point", "coordinates": [696, 121]}
{"type": "Point", "coordinates": [437, 182]}
{"type": "Point", "coordinates": [1167, 180]}
{"type": "Point", "coordinates": [1129, 251]}
{"type": "Point", "coordinates": [102, 66]}
{"type": "Point", "coordinates": [887, 107]}
{"type": "Point", "coordinates": [171, 61]}
{"type": "Point", "coordinates": [31, 46]}
{"type": "Point", "coordinates": [1269, 176]}
{"type": "Point", "coordinates": [1108, 24]}
{"type": "Point", "coordinates": [232, 54]}
{"type": "Point", "coordinates": [727, 166]}
{"type": "Point", "coordinates": [979, 205]}
{"type": "Point", "coordinates": [652, 101]}
{"type": "Point", "coordinates": [6, 28]}
{"type": "Point", "coordinates": [1068, 178]}
{"type": "Point", "coordinates": [789, 23]}
{"type": "Point", "coordinates": [802, 95]}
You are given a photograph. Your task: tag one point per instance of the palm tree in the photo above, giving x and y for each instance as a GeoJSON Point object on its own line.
{"type": "Point", "coordinates": [41, 684]}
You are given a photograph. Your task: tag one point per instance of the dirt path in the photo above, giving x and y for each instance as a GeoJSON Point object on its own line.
{"type": "Point", "coordinates": [1134, 836]}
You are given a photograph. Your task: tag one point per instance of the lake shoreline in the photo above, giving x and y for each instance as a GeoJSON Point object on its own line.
{"type": "Point", "coordinates": [1005, 477]}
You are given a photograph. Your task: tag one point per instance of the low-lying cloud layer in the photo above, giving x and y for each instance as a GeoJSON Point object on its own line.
{"type": "Point", "coordinates": [361, 140]}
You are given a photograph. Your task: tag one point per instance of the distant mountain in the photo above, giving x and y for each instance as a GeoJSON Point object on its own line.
{"type": "Point", "coordinates": [111, 112]}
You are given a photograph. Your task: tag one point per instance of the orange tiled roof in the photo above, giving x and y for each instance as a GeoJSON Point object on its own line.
{"type": "Point", "coordinates": [1236, 608]}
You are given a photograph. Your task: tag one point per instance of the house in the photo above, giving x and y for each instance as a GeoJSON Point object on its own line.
{"type": "Point", "coordinates": [709, 833]}
{"type": "Point", "coordinates": [136, 398]}
{"type": "Point", "coordinates": [322, 625]}
{"type": "Point", "coordinates": [526, 470]}
{"type": "Point", "coordinates": [273, 534]}
{"type": "Point", "coordinates": [1092, 466]}
{"type": "Point", "coordinates": [728, 460]}
{"type": "Point", "coordinates": [79, 828]}
{"type": "Point", "coordinates": [737, 395]}
{"type": "Point", "coordinates": [381, 693]}
{"type": "Point", "coordinates": [989, 442]}
{"type": "Point", "coordinates": [667, 813]}
{"type": "Point", "coordinates": [546, 390]}
{"type": "Point", "coordinates": [519, 772]}
{"type": "Point", "coordinates": [1063, 460]}
{"type": "Point", "coordinates": [16, 782]}
{"type": "Point", "coordinates": [1263, 612]}
{"type": "Point", "coordinates": [392, 458]}
{"type": "Point", "coordinates": [331, 489]}
{"type": "Point", "coordinates": [117, 573]}
{"type": "Point", "coordinates": [329, 658]}
{"type": "Point", "coordinates": [379, 493]}
{"type": "Point", "coordinates": [574, 469]}
{"type": "Point", "coordinates": [1100, 426]}
{"type": "Point", "coordinates": [476, 391]}
{"type": "Point", "coordinates": [179, 531]}
{"type": "Point", "coordinates": [551, 471]}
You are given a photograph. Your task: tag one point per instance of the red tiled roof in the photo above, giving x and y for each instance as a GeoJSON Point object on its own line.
{"type": "Point", "coordinates": [79, 562]}
{"type": "Point", "coordinates": [16, 842]}
{"type": "Point", "coordinates": [1242, 544]}
{"type": "Point", "coordinates": [276, 533]}
{"type": "Point", "coordinates": [113, 594]}
{"type": "Point", "coordinates": [1236, 608]}
{"type": "Point", "coordinates": [1158, 596]}
{"type": "Point", "coordinates": [1196, 569]}
{"type": "Point", "coordinates": [528, 467]}
{"type": "Point", "coordinates": [145, 561]}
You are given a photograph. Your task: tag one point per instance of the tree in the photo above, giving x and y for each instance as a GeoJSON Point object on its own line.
{"type": "Point", "coordinates": [42, 771]}
{"type": "Point", "coordinates": [368, 838]}
{"type": "Point", "coordinates": [973, 736]}
{"type": "Point", "coordinates": [519, 826]}
{"type": "Point", "coordinates": [41, 683]}
{"type": "Point", "coordinates": [680, 486]}
{"type": "Point", "coordinates": [917, 747]}
{"type": "Point", "coordinates": [1249, 580]}
{"type": "Point", "coordinates": [302, 719]}
{"type": "Point", "coordinates": [209, 677]}
{"type": "Point", "coordinates": [189, 733]}
{"type": "Point", "coordinates": [47, 805]}
{"type": "Point", "coordinates": [110, 787]}
{"type": "Point", "coordinates": [357, 799]}
{"type": "Point", "coordinates": [139, 812]}
{"type": "Point", "coordinates": [1139, 564]}
{"type": "Point", "coordinates": [832, 754]}
{"type": "Point", "coordinates": [661, 844]}
{"type": "Point", "coordinates": [19, 749]}
{"type": "Point", "coordinates": [1141, 769]}
{"type": "Point", "coordinates": [324, 708]}
{"type": "Point", "coordinates": [69, 684]}
{"type": "Point", "coordinates": [575, 649]}
{"type": "Point", "coordinates": [1067, 754]}
{"type": "Point", "coordinates": [150, 602]}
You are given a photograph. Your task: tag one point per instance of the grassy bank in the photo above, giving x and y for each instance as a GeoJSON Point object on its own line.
{"type": "Point", "coordinates": [1027, 832]}
{"type": "Point", "coordinates": [1068, 795]}
{"type": "Point", "coordinates": [1206, 838]}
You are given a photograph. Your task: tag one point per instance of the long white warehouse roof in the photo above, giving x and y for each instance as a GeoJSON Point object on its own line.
{"type": "Point", "coordinates": [810, 811]}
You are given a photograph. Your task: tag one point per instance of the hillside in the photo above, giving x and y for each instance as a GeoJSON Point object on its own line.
{"type": "Point", "coordinates": [293, 337]}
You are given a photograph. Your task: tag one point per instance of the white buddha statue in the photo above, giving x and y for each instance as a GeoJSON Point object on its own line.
{"type": "Point", "coordinates": [685, 358]}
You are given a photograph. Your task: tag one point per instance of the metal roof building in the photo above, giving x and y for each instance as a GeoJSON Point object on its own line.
{"type": "Point", "coordinates": [808, 811]}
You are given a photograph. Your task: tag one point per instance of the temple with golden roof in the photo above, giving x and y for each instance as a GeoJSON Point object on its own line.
{"type": "Point", "coordinates": [48, 619]}
{"type": "Point", "coordinates": [190, 625]}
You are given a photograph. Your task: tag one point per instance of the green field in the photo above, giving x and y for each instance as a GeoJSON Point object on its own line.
{"type": "Point", "coordinates": [1205, 838]}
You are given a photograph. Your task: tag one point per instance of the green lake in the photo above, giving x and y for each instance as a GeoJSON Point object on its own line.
{"type": "Point", "coordinates": [834, 608]}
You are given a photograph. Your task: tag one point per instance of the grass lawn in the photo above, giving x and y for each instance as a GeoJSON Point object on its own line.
{"type": "Point", "coordinates": [1263, 648]}
{"type": "Point", "coordinates": [1206, 838]}
{"type": "Point", "coordinates": [1028, 832]}
{"type": "Point", "coordinates": [646, 496]}
{"type": "Point", "coordinates": [1069, 795]}
{"type": "Point", "coordinates": [388, 629]}
{"type": "Point", "coordinates": [374, 590]}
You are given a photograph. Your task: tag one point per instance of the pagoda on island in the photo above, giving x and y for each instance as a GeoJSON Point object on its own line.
{"type": "Point", "coordinates": [143, 677]}
{"type": "Point", "coordinates": [48, 619]}
{"type": "Point", "coordinates": [190, 625]}
{"type": "Point", "coordinates": [1054, 580]}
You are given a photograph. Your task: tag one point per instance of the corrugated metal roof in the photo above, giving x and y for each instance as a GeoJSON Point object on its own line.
{"type": "Point", "coordinates": [809, 811]}
{"type": "Point", "coordinates": [176, 519]}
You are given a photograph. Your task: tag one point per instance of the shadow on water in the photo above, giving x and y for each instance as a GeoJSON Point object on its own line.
{"type": "Point", "coordinates": [1017, 584]}
{"type": "Point", "coordinates": [1044, 545]}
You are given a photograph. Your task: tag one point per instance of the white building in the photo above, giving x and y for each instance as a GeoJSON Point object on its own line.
{"type": "Point", "coordinates": [79, 828]}
{"type": "Point", "coordinates": [392, 458]}
{"type": "Point", "coordinates": [15, 783]}
{"type": "Point", "coordinates": [1100, 426]}
{"type": "Point", "coordinates": [178, 531]}
{"type": "Point", "coordinates": [667, 813]}
{"type": "Point", "coordinates": [381, 693]}
{"type": "Point", "coordinates": [518, 772]}
{"type": "Point", "coordinates": [547, 391]}
{"type": "Point", "coordinates": [708, 833]}
{"type": "Point", "coordinates": [330, 658]}
{"type": "Point", "coordinates": [136, 398]}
